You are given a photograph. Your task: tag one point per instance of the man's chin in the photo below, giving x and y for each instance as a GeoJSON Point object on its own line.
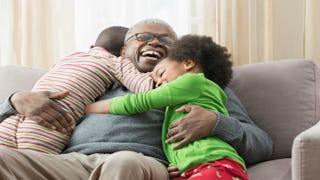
{"type": "Point", "coordinates": [147, 63]}
{"type": "Point", "coordinates": [146, 68]}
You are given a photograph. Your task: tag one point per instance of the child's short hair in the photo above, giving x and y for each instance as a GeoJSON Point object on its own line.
{"type": "Point", "coordinates": [112, 39]}
{"type": "Point", "coordinates": [211, 57]}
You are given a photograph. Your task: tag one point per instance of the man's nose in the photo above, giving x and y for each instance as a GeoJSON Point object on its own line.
{"type": "Point", "coordinates": [155, 42]}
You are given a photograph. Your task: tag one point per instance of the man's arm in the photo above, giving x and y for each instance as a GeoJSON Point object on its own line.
{"type": "Point", "coordinates": [251, 142]}
{"type": "Point", "coordinates": [6, 109]}
{"type": "Point", "coordinates": [40, 107]}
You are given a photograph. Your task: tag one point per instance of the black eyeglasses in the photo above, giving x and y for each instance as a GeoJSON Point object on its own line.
{"type": "Point", "coordinates": [147, 37]}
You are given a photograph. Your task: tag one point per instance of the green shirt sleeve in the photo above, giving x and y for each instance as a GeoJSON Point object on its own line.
{"type": "Point", "coordinates": [183, 89]}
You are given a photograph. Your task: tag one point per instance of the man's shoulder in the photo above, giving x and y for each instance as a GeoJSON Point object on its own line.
{"type": "Point", "coordinates": [114, 92]}
{"type": "Point", "coordinates": [229, 92]}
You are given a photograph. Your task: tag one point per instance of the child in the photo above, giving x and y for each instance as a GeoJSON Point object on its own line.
{"type": "Point", "coordinates": [86, 75]}
{"type": "Point", "coordinates": [112, 39]}
{"type": "Point", "coordinates": [195, 72]}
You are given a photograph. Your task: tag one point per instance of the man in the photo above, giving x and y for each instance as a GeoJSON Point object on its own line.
{"type": "Point", "coordinates": [105, 146]}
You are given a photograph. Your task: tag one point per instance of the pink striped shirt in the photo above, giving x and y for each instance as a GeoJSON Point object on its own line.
{"type": "Point", "coordinates": [87, 75]}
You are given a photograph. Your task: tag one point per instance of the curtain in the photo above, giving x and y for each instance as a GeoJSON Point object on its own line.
{"type": "Point", "coordinates": [92, 17]}
{"type": "Point", "coordinates": [312, 29]}
{"type": "Point", "coordinates": [35, 32]}
{"type": "Point", "coordinates": [264, 30]}
{"type": "Point", "coordinates": [38, 33]}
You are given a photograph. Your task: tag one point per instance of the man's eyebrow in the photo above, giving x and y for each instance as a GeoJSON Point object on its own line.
{"type": "Point", "coordinates": [157, 34]}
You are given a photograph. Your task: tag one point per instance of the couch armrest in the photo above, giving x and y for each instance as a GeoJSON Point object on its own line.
{"type": "Point", "coordinates": [306, 154]}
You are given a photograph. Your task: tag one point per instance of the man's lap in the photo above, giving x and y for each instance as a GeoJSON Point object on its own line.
{"type": "Point", "coordinates": [34, 165]}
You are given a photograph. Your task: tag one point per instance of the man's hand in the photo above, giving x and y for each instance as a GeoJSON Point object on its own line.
{"type": "Point", "coordinates": [196, 125]}
{"type": "Point", "coordinates": [173, 172]}
{"type": "Point", "coordinates": [40, 107]}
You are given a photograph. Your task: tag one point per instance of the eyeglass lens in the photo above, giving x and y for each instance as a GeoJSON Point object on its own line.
{"type": "Point", "coordinates": [147, 37]}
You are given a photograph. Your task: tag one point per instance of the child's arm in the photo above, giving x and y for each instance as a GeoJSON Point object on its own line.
{"type": "Point", "coordinates": [179, 91]}
{"type": "Point", "coordinates": [99, 107]}
{"type": "Point", "coordinates": [130, 77]}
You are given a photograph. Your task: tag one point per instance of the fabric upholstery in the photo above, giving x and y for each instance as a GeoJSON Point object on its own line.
{"type": "Point", "coordinates": [17, 78]}
{"type": "Point", "coordinates": [279, 169]}
{"type": "Point", "coordinates": [280, 97]}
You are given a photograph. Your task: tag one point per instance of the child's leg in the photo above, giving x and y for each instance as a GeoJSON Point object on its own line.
{"type": "Point", "coordinates": [224, 169]}
{"type": "Point", "coordinates": [8, 130]}
{"type": "Point", "coordinates": [32, 136]}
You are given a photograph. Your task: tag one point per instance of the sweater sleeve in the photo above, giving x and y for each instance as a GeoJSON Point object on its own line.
{"type": "Point", "coordinates": [251, 142]}
{"type": "Point", "coordinates": [6, 109]}
{"type": "Point", "coordinates": [176, 92]}
{"type": "Point", "coordinates": [130, 77]}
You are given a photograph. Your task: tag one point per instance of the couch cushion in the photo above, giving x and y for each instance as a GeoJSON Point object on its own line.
{"type": "Point", "coordinates": [281, 98]}
{"type": "Point", "coordinates": [272, 170]}
{"type": "Point", "coordinates": [17, 78]}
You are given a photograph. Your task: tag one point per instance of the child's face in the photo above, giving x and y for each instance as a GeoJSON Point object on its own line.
{"type": "Point", "coordinates": [168, 70]}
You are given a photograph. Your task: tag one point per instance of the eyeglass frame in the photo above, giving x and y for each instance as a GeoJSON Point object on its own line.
{"type": "Point", "coordinates": [159, 37]}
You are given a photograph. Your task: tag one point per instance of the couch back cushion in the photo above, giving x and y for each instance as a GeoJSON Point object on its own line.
{"type": "Point", "coordinates": [282, 97]}
{"type": "Point", "coordinates": [17, 78]}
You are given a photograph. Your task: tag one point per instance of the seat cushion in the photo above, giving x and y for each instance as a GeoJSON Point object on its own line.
{"type": "Point", "coordinates": [272, 170]}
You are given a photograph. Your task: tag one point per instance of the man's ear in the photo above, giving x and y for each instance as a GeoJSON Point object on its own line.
{"type": "Point", "coordinates": [189, 64]}
{"type": "Point", "coordinates": [123, 51]}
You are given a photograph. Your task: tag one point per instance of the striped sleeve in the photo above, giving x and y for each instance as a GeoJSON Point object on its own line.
{"type": "Point", "coordinates": [130, 77]}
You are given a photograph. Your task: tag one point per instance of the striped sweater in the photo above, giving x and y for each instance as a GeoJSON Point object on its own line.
{"type": "Point", "coordinates": [87, 76]}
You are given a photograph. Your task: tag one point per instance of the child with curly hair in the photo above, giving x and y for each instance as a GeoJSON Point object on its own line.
{"type": "Point", "coordinates": [195, 72]}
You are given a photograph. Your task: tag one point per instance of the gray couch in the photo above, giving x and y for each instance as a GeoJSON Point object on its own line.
{"type": "Point", "coordinates": [282, 97]}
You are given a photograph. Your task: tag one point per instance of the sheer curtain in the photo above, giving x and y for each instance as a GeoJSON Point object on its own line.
{"type": "Point", "coordinates": [264, 30]}
{"type": "Point", "coordinates": [35, 32]}
{"type": "Point", "coordinates": [39, 32]}
{"type": "Point", "coordinates": [93, 16]}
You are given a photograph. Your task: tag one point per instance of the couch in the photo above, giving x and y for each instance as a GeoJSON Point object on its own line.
{"type": "Point", "coordinates": [282, 97]}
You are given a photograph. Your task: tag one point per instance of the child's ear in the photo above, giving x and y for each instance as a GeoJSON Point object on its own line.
{"type": "Point", "coordinates": [189, 64]}
{"type": "Point", "coordinates": [123, 51]}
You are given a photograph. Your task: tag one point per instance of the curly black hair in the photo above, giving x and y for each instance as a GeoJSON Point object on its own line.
{"type": "Point", "coordinates": [213, 59]}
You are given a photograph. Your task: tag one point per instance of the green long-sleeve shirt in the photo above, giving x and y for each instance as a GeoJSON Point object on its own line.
{"type": "Point", "coordinates": [192, 89]}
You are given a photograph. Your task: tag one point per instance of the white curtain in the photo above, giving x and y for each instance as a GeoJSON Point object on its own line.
{"type": "Point", "coordinates": [38, 33]}
{"type": "Point", "coordinates": [265, 30]}
{"type": "Point", "coordinates": [92, 16]}
{"type": "Point", "coordinates": [35, 32]}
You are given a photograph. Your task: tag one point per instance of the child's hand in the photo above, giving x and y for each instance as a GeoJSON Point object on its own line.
{"type": "Point", "coordinates": [98, 107]}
